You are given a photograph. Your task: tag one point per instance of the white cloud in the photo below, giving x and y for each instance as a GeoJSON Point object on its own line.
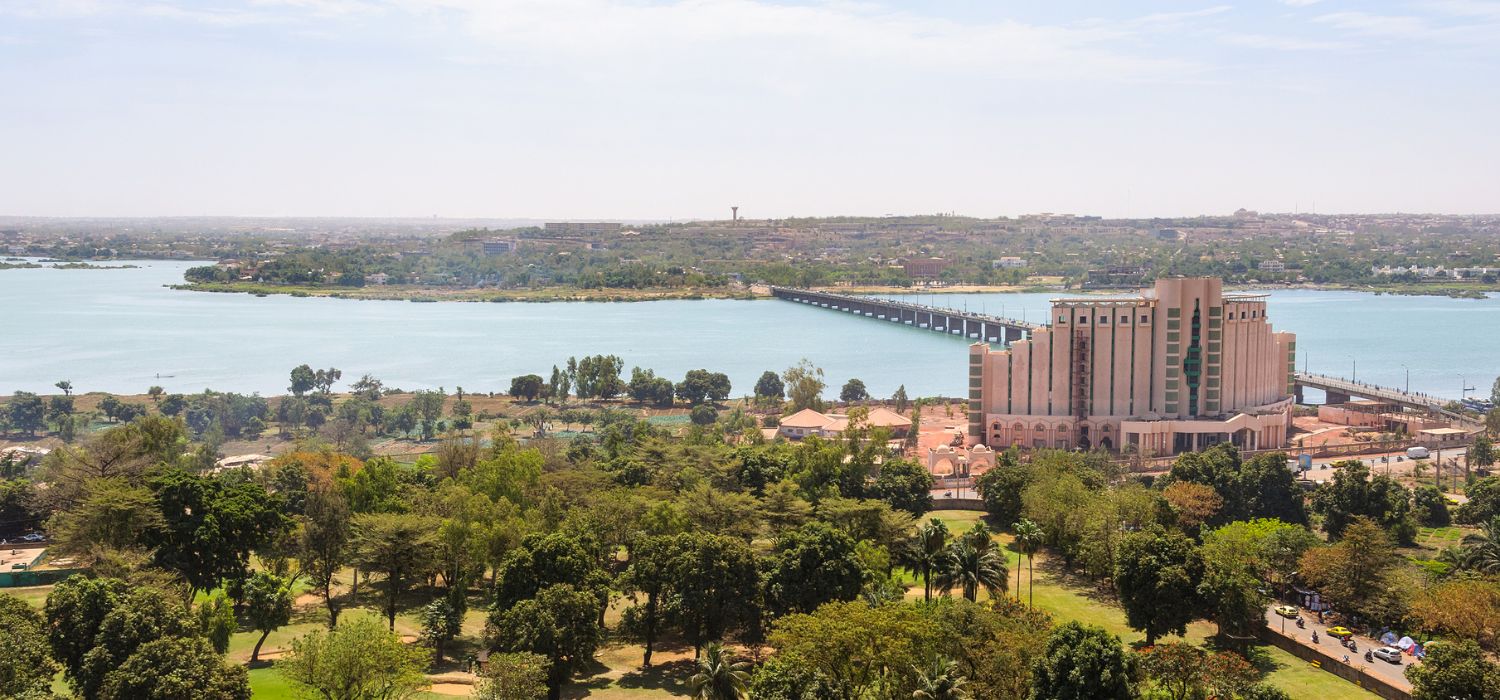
{"type": "Point", "coordinates": [1388, 26]}
{"type": "Point", "coordinates": [1300, 3]}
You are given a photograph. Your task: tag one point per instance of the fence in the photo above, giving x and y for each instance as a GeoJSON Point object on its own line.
{"type": "Point", "coordinates": [1349, 672]}
{"type": "Point", "coordinates": [42, 577]}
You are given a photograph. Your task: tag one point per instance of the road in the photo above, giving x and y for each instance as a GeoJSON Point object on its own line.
{"type": "Point", "coordinates": [1387, 463]}
{"type": "Point", "coordinates": [1389, 672]}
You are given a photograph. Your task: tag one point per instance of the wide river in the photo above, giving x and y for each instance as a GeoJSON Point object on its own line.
{"type": "Point", "coordinates": [123, 331]}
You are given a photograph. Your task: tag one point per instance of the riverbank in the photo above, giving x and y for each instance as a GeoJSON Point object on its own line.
{"type": "Point", "coordinates": [425, 294]}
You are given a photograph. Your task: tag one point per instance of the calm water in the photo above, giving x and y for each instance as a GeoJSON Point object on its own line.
{"type": "Point", "coordinates": [122, 331]}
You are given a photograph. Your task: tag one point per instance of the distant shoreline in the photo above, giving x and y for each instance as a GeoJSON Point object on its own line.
{"type": "Point", "coordinates": [423, 294]}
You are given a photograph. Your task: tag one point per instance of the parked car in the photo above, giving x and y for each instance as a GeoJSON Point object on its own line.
{"type": "Point", "coordinates": [33, 537]}
{"type": "Point", "coordinates": [1288, 611]}
{"type": "Point", "coordinates": [1340, 631]}
{"type": "Point", "coordinates": [1391, 654]}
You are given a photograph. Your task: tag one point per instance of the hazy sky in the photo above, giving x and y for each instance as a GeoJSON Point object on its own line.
{"type": "Point", "coordinates": [681, 108]}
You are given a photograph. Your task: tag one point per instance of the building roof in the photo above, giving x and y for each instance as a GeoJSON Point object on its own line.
{"type": "Point", "coordinates": [805, 418]}
{"type": "Point", "coordinates": [1445, 431]}
{"type": "Point", "coordinates": [882, 417]}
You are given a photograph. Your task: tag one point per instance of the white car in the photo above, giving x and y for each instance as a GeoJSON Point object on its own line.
{"type": "Point", "coordinates": [1391, 654]}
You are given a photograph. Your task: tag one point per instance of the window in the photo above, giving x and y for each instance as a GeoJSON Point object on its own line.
{"type": "Point", "coordinates": [1145, 318]}
{"type": "Point", "coordinates": [1062, 318]}
{"type": "Point", "coordinates": [1242, 314]}
{"type": "Point", "coordinates": [1104, 320]}
{"type": "Point", "coordinates": [1124, 319]}
{"type": "Point", "coordinates": [1083, 318]}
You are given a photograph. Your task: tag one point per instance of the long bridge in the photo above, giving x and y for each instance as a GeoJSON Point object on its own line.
{"type": "Point", "coordinates": [967, 324]}
{"type": "Point", "coordinates": [1340, 390]}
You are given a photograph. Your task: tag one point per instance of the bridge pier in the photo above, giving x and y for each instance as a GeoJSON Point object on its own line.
{"type": "Point", "coordinates": [1297, 392]}
{"type": "Point", "coordinates": [1335, 398]}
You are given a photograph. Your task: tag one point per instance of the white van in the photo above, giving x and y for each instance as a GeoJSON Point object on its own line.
{"type": "Point", "coordinates": [1418, 452]}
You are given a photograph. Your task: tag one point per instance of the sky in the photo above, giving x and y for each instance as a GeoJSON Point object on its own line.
{"type": "Point", "coordinates": [663, 109]}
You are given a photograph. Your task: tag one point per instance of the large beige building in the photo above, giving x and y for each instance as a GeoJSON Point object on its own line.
{"type": "Point", "coordinates": [1176, 368]}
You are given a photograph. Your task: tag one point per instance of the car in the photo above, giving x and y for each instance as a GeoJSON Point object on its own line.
{"type": "Point", "coordinates": [1340, 631]}
{"type": "Point", "coordinates": [20, 566]}
{"type": "Point", "coordinates": [33, 537]}
{"type": "Point", "coordinates": [1391, 654]}
{"type": "Point", "coordinates": [1288, 611]}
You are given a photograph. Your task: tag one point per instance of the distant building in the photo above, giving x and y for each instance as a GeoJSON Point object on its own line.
{"type": "Point", "coordinates": [378, 279]}
{"type": "Point", "coordinates": [582, 227]}
{"type": "Point", "coordinates": [1271, 266]}
{"type": "Point", "coordinates": [808, 422]}
{"type": "Point", "coordinates": [1009, 262]}
{"type": "Point", "coordinates": [490, 246]}
{"type": "Point", "coordinates": [924, 267]}
{"type": "Point", "coordinates": [1178, 368]}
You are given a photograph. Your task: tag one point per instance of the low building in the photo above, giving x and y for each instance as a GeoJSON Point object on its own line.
{"type": "Point", "coordinates": [808, 422]}
{"type": "Point", "coordinates": [582, 227]}
{"type": "Point", "coordinates": [924, 267]}
{"type": "Point", "coordinates": [1008, 262]}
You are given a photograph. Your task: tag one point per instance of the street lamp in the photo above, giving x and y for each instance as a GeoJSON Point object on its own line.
{"type": "Point", "coordinates": [1408, 377]}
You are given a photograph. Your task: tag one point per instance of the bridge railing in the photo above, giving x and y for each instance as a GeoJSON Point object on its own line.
{"type": "Point", "coordinates": [910, 306]}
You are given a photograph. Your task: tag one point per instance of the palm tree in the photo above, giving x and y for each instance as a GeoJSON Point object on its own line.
{"type": "Point", "coordinates": [975, 562]}
{"type": "Point", "coordinates": [940, 681]}
{"type": "Point", "coordinates": [718, 676]}
{"type": "Point", "coordinates": [1481, 550]}
{"type": "Point", "coordinates": [1029, 539]}
{"type": "Point", "coordinates": [927, 554]}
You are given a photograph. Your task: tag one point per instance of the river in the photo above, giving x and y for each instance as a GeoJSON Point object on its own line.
{"type": "Point", "coordinates": [122, 331]}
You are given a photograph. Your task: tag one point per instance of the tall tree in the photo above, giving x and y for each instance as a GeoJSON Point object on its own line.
{"type": "Point", "coordinates": [1351, 573]}
{"type": "Point", "coordinates": [1157, 575]}
{"type": "Point", "coordinates": [1454, 670]}
{"type": "Point", "coordinates": [900, 399]}
{"type": "Point", "coordinates": [1083, 663]}
{"type": "Point", "coordinates": [323, 547]}
{"type": "Point", "coordinates": [716, 585]}
{"type": "Point", "coordinates": [358, 661]}
{"type": "Point", "coordinates": [804, 386]}
{"type": "Point", "coordinates": [26, 667]}
{"type": "Point", "coordinates": [397, 546]}
{"type": "Point", "coordinates": [268, 606]}
{"type": "Point", "coordinates": [974, 562]}
{"type": "Point", "coordinates": [927, 555]}
{"type": "Point", "coordinates": [212, 525]}
{"type": "Point", "coordinates": [176, 668]}
{"type": "Point", "coordinates": [1354, 493]}
{"type": "Point", "coordinates": [812, 566]}
{"type": "Point", "coordinates": [769, 387]}
{"type": "Point", "coordinates": [561, 623]}
{"type": "Point", "coordinates": [854, 391]}
{"type": "Point", "coordinates": [1029, 539]}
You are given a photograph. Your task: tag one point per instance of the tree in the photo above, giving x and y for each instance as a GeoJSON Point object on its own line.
{"type": "Point", "coordinates": [905, 485]}
{"type": "Point", "coordinates": [770, 387]}
{"type": "Point", "coordinates": [1454, 670]}
{"type": "Point", "coordinates": [1157, 575]}
{"type": "Point", "coordinates": [854, 391]}
{"type": "Point", "coordinates": [1482, 453]}
{"type": "Point", "coordinates": [113, 515]}
{"type": "Point", "coordinates": [212, 525]}
{"type": "Point", "coordinates": [542, 561]}
{"type": "Point", "coordinates": [715, 583]}
{"type": "Point", "coordinates": [804, 386]}
{"type": "Point", "coordinates": [558, 385]}
{"type": "Point", "coordinates": [74, 612]}
{"type": "Point", "coordinates": [368, 388]}
{"type": "Point", "coordinates": [927, 555]}
{"type": "Point", "coordinates": [268, 606]}
{"type": "Point", "coordinates": [718, 676]}
{"type": "Point", "coordinates": [1481, 550]}
{"type": "Point", "coordinates": [25, 665]}
{"type": "Point", "coordinates": [67, 387]}
{"type": "Point", "coordinates": [27, 412]}
{"type": "Point", "coordinates": [560, 624]}
{"type": "Point", "coordinates": [216, 621]}
{"type": "Point", "coordinates": [1354, 493]}
{"type": "Point", "coordinates": [1430, 507]}
{"type": "Point", "coordinates": [1177, 668]}
{"type": "Point", "coordinates": [1464, 607]}
{"type": "Point", "coordinates": [703, 414]}
{"type": "Point", "coordinates": [360, 660]}
{"type": "Point", "coordinates": [441, 622]}
{"type": "Point", "coordinates": [652, 573]}
{"type": "Point", "coordinates": [1029, 539]}
{"type": "Point", "coordinates": [857, 650]}
{"type": "Point", "coordinates": [324, 542]}
{"type": "Point", "coordinates": [1259, 488]}
{"type": "Point", "coordinates": [1001, 489]}
{"type": "Point", "coordinates": [397, 546]}
{"type": "Point", "coordinates": [527, 387]}
{"type": "Point", "coordinates": [1194, 504]}
{"type": "Point", "coordinates": [139, 616]}
{"type": "Point", "coordinates": [812, 566]}
{"type": "Point", "coordinates": [974, 562]}
{"type": "Point", "coordinates": [518, 676]}
{"type": "Point", "coordinates": [1351, 574]}
{"type": "Point", "coordinates": [303, 380]}
{"type": "Point", "coordinates": [941, 680]}
{"type": "Point", "coordinates": [900, 399]}
{"type": "Point", "coordinates": [701, 385]}
{"type": "Point", "coordinates": [1483, 503]}
{"type": "Point", "coordinates": [1083, 663]}
{"type": "Point", "coordinates": [176, 668]}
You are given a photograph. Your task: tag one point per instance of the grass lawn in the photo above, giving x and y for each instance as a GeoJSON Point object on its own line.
{"type": "Point", "coordinates": [1070, 602]}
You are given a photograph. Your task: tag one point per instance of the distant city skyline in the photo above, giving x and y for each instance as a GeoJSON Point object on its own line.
{"type": "Point", "coordinates": [680, 109]}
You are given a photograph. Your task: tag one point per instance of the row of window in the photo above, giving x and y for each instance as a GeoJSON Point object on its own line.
{"type": "Point", "coordinates": [1083, 319]}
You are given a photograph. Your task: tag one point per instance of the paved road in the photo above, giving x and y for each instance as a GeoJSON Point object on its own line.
{"type": "Point", "coordinates": [1384, 670]}
{"type": "Point", "coordinates": [1383, 464]}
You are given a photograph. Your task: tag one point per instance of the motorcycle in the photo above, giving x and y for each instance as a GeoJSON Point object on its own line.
{"type": "Point", "coordinates": [1369, 657]}
{"type": "Point", "coordinates": [1315, 637]}
{"type": "Point", "coordinates": [1300, 623]}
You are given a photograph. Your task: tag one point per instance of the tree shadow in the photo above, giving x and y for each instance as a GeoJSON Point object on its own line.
{"type": "Point", "coordinates": [670, 677]}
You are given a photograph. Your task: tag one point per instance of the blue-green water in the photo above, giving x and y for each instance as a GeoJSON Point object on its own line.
{"type": "Point", "coordinates": [122, 331]}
